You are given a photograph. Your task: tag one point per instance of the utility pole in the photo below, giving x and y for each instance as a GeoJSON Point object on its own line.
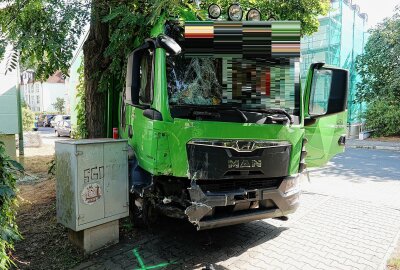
{"type": "Point", "coordinates": [20, 129]}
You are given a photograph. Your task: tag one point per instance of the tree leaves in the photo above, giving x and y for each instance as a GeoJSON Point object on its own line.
{"type": "Point", "coordinates": [45, 32]}
{"type": "Point", "coordinates": [9, 170]}
{"type": "Point", "coordinates": [379, 66]}
{"type": "Point", "coordinates": [379, 69]}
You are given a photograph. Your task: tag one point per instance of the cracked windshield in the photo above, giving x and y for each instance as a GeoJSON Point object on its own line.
{"type": "Point", "coordinates": [245, 83]}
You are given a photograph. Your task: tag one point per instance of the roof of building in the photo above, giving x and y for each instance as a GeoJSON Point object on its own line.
{"type": "Point", "coordinates": [28, 77]}
{"type": "Point", "coordinates": [57, 77]}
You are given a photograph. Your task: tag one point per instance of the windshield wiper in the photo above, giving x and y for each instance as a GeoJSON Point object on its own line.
{"type": "Point", "coordinates": [214, 108]}
{"type": "Point", "coordinates": [272, 111]}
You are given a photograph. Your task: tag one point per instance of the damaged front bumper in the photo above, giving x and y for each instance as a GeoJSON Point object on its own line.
{"type": "Point", "coordinates": [247, 205]}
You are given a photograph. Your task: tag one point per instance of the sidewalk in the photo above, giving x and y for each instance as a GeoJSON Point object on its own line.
{"type": "Point", "coordinates": [368, 144]}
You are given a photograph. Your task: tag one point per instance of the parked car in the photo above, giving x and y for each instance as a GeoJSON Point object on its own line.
{"type": "Point", "coordinates": [36, 123]}
{"type": "Point", "coordinates": [47, 119]}
{"type": "Point", "coordinates": [40, 119]}
{"type": "Point", "coordinates": [59, 118]}
{"type": "Point", "coordinates": [63, 128]}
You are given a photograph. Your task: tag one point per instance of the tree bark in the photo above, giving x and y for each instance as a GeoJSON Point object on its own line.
{"type": "Point", "coordinates": [94, 66]}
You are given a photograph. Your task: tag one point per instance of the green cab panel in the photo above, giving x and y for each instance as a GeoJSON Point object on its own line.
{"type": "Point", "coordinates": [323, 139]}
{"type": "Point", "coordinates": [325, 113]}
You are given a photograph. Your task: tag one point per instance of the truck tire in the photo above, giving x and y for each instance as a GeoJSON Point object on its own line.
{"type": "Point", "coordinates": [141, 211]}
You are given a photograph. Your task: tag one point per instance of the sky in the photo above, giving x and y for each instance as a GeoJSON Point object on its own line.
{"type": "Point", "coordinates": [377, 10]}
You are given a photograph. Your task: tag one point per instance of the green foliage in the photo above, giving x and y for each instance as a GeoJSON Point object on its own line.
{"type": "Point", "coordinates": [379, 66]}
{"type": "Point", "coordinates": [51, 165]}
{"type": "Point", "coordinates": [131, 23]}
{"type": "Point", "coordinates": [9, 170]}
{"type": "Point", "coordinates": [379, 69]}
{"type": "Point", "coordinates": [45, 32]}
{"type": "Point", "coordinates": [80, 131]}
{"type": "Point", "coordinates": [59, 105]}
{"type": "Point", "coordinates": [383, 117]}
{"type": "Point", "coordinates": [28, 118]}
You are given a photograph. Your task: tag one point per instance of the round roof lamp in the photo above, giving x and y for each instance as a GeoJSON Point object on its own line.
{"type": "Point", "coordinates": [235, 12]}
{"type": "Point", "coordinates": [253, 15]}
{"type": "Point", "coordinates": [214, 11]}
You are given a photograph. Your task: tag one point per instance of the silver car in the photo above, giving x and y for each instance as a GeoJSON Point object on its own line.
{"type": "Point", "coordinates": [59, 118]}
{"type": "Point", "coordinates": [63, 128]}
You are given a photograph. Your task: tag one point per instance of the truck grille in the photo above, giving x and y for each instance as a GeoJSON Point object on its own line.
{"type": "Point", "coordinates": [236, 184]}
{"type": "Point", "coordinates": [238, 159]}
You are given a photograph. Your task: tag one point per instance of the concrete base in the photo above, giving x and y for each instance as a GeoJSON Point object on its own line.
{"type": "Point", "coordinates": [96, 238]}
{"type": "Point", "coordinates": [364, 135]}
{"type": "Point", "coordinates": [9, 142]}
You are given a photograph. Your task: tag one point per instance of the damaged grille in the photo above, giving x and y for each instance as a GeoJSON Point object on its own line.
{"type": "Point", "coordinates": [238, 159]}
{"type": "Point", "coordinates": [236, 184]}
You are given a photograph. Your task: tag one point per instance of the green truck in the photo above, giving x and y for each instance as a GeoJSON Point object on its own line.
{"type": "Point", "coordinates": [220, 131]}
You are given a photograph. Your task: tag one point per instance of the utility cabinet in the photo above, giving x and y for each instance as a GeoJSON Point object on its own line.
{"type": "Point", "coordinates": [92, 182]}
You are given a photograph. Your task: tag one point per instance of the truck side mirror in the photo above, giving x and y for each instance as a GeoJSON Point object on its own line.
{"type": "Point", "coordinates": [327, 91]}
{"type": "Point", "coordinates": [169, 44]}
{"type": "Point", "coordinates": [134, 73]}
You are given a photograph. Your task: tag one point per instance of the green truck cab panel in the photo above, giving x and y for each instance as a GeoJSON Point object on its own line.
{"type": "Point", "coordinates": [325, 113]}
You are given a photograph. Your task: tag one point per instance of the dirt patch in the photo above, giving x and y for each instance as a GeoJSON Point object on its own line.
{"type": "Point", "coordinates": [38, 165]}
{"type": "Point", "coordinates": [394, 262]}
{"type": "Point", "coordinates": [385, 139]}
{"type": "Point", "coordinates": [45, 244]}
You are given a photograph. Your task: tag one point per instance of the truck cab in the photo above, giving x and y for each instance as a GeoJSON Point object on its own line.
{"type": "Point", "coordinates": [220, 130]}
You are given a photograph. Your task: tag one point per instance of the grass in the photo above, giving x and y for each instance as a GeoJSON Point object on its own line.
{"type": "Point", "coordinates": [394, 264]}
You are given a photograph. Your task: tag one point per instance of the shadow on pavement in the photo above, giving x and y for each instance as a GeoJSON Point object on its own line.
{"type": "Point", "coordinates": [178, 242]}
{"type": "Point", "coordinates": [359, 165]}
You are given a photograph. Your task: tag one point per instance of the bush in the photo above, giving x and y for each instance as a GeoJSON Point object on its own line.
{"type": "Point", "coordinates": [80, 131]}
{"type": "Point", "coordinates": [28, 118]}
{"type": "Point", "coordinates": [383, 117]}
{"type": "Point", "coordinates": [9, 169]}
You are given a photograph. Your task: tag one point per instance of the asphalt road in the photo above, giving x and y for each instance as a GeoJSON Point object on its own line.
{"type": "Point", "coordinates": [349, 218]}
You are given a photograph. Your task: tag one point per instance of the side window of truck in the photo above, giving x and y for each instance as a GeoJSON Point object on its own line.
{"type": "Point", "coordinates": [320, 91]}
{"type": "Point", "coordinates": [146, 68]}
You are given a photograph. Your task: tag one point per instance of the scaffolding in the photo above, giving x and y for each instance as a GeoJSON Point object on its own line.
{"type": "Point", "coordinates": [340, 39]}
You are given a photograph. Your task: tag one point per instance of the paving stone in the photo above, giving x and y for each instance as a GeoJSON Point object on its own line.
{"type": "Point", "coordinates": [330, 230]}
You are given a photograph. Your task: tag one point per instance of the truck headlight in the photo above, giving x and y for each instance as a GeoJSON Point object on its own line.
{"type": "Point", "coordinates": [235, 12]}
{"type": "Point", "coordinates": [214, 11]}
{"type": "Point", "coordinates": [253, 15]}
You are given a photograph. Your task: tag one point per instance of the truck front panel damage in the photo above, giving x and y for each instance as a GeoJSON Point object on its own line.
{"type": "Point", "coordinates": [246, 205]}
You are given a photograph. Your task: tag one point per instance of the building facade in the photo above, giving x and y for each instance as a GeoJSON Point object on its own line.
{"type": "Point", "coordinates": [40, 96]}
{"type": "Point", "coordinates": [341, 37]}
{"type": "Point", "coordinates": [8, 105]}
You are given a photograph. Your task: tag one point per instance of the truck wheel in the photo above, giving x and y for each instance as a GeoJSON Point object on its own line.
{"type": "Point", "coordinates": [141, 211]}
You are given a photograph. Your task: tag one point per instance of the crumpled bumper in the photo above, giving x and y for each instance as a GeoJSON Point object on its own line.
{"type": "Point", "coordinates": [282, 201]}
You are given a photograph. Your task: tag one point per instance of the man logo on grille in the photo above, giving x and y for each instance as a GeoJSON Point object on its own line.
{"type": "Point", "coordinates": [243, 164]}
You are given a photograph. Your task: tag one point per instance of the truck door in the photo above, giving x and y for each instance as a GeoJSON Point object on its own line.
{"type": "Point", "coordinates": [135, 121]}
{"type": "Point", "coordinates": [325, 110]}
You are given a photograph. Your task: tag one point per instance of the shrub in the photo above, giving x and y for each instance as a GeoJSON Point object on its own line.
{"type": "Point", "coordinates": [383, 117]}
{"type": "Point", "coordinates": [28, 118]}
{"type": "Point", "coordinates": [9, 170]}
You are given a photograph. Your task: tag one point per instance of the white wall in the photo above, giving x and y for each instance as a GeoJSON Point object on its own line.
{"type": "Point", "coordinates": [8, 99]}
{"type": "Point", "coordinates": [41, 96]}
{"type": "Point", "coordinates": [50, 93]}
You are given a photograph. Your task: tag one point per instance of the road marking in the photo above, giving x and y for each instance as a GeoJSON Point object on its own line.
{"type": "Point", "coordinates": [143, 266]}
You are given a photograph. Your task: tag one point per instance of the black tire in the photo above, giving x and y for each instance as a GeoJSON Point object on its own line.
{"type": "Point", "coordinates": [57, 134]}
{"type": "Point", "coordinates": [144, 216]}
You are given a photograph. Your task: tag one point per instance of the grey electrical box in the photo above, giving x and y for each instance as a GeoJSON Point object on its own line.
{"type": "Point", "coordinates": [92, 182]}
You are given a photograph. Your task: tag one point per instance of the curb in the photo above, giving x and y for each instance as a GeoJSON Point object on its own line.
{"type": "Point", "coordinates": [375, 147]}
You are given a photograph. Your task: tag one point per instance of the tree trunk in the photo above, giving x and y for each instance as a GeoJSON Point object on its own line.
{"type": "Point", "coordinates": [94, 65]}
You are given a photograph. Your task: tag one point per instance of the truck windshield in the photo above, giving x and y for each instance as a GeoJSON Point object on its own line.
{"type": "Point", "coordinates": [242, 83]}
